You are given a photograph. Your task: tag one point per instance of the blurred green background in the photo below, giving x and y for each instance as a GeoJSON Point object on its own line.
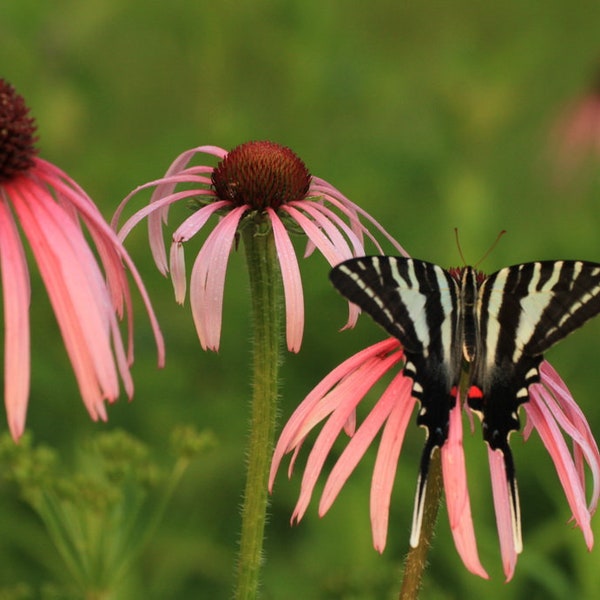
{"type": "Point", "coordinates": [431, 115]}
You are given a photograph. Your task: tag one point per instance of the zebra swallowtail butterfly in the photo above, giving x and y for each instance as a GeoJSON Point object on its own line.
{"type": "Point", "coordinates": [496, 328]}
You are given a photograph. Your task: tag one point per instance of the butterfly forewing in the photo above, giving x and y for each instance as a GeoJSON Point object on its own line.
{"type": "Point", "coordinates": [572, 291]}
{"type": "Point", "coordinates": [414, 301]}
{"type": "Point", "coordinates": [532, 306]}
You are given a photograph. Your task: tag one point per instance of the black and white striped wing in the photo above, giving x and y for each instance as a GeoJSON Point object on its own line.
{"type": "Point", "coordinates": [520, 312]}
{"type": "Point", "coordinates": [523, 311]}
{"type": "Point", "coordinates": [416, 302]}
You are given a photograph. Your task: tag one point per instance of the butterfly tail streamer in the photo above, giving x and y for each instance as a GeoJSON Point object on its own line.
{"type": "Point", "coordinates": [419, 506]}
{"type": "Point", "coordinates": [513, 493]}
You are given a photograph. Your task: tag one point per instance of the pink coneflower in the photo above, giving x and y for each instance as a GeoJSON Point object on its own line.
{"type": "Point", "coordinates": [261, 192]}
{"type": "Point", "coordinates": [255, 181]}
{"type": "Point", "coordinates": [87, 286]}
{"type": "Point", "coordinates": [335, 399]}
{"type": "Point", "coordinates": [577, 134]}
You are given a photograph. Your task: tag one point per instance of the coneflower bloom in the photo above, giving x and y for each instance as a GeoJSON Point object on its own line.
{"type": "Point", "coordinates": [87, 285]}
{"type": "Point", "coordinates": [256, 180]}
{"type": "Point", "coordinates": [335, 399]}
{"type": "Point", "coordinates": [577, 134]}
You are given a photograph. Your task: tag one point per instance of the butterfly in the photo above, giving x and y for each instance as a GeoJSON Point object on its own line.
{"type": "Point", "coordinates": [494, 329]}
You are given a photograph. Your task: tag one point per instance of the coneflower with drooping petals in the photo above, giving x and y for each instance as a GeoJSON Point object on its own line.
{"type": "Point", "coordinates": [334, 400]}
{"type": "Point", "coordinates": [87, 284]}
{"type": "Point", "coordinates": [261, 180]}
{"type": "Point", "coordinates": [261, 192]}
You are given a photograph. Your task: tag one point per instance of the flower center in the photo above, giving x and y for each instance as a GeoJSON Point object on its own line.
{"type": "Point", "coordinates": [261, 174]}
{"type": "Point", "coordinates": [17, 131]}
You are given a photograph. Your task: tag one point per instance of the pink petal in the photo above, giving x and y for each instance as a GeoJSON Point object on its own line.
{"type": "Point", "coordinates": [69, 192]}
{"type": "Point", "coordinates": [573, 421]}
{"type": "Point", "coordinates": [359, 443]}
{"type": "Point", "coordinates": [165, 188]}
{"type": "Point", "coordinates": [351, 209]}
{"type": "Point", "coordinates": [292, 283]}
{"type": "Point", "coordinates": [358, 381]}
{"type": "Point", "coordinates": [386, 463]}
{"type": "Point", "coordinates": [17, 293]}
{"type": "Point", "coordinates": [332, 429]}
{"type": "Point", "coordinates": [509, 531]}
{"type": "Point", "coordinates": [320, 451]}
{"type": "Point", "coordinates": [183, 233]}
{"type": "Point", "coordinates": [457, 494]}
{"type": "Point", "coordinates": [334, 254]}
{"type": "Point", "coordinates": [289, 435]}
{"type": "Point", "coordinates": [325, 224]}
{"type": "Point", "coordinates": [545, 424]}
{"type": "Point", "coordinates": [121, 361]}
{"type": "Point", "coordinates": [332, 224]}
{"type": "Point", "coordinates": [156, 236]}
{"type": "Point", "coordinates": [157, 212]}
{"type": "Point", "coordinates": [350, 424]}
{"type": "Point", "coordinates": [330, 402]}
{"type": "Point", "coordinates": [358, 248]}
{"type": "Point", "coordinates": [177, 266]}
{"type": "Point", "coordinates": [192, 225]}
{"type": "Point", "coordinates": [77, 292]}
{"type": "Point", "coordinates": [583, 442]}
{"type": "Point", "coordinates": [353, 314]}
{"type": "Point", "coordinates": [334, 249]}
{"type": "Point", "coordinates": [208, 279]}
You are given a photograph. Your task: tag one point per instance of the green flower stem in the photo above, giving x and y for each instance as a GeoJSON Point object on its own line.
{"type": "Point", "coordinates": [416, 559]}
{"type": "Point", "coordinates": [265, 289]}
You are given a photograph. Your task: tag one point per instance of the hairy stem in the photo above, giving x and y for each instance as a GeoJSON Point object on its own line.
{"type": "Point", "coordinates": [416, 559]}
{"type": "Point", "coordinates": [265, 289]}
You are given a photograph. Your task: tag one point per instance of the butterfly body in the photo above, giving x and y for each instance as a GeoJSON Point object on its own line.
{"type": "Point", "coordinates": [495, 329]}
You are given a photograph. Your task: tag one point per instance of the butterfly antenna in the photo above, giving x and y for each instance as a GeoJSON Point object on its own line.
{"type": "Point", "coordinates": [460, 252]}
{"type": "Point", "coordinates": [489, 250]}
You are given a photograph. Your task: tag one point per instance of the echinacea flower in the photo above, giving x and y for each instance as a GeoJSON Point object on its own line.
{"type": "Point", "coordinates": [261, 192]}
{"type": "Point", "coordinates": [87, 284]}
{"type": "Point", "coordinates": [334, 400]}
{"type": "Point", "coordinates": [254, 181]}
{"type": "Point", "coordinates": [576, 136]}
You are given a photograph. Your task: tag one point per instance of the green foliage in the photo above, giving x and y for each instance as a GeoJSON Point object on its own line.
{"type": "Point", "coordinates": [100, 513]}
{"type": "Point", "coordinates": [431, 115]}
